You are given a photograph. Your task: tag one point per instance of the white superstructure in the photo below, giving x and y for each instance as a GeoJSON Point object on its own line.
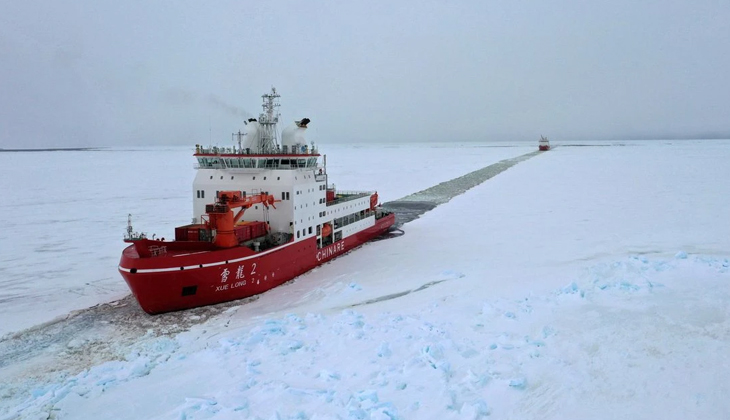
{"type": "Point", "coordinates": [292, 174]}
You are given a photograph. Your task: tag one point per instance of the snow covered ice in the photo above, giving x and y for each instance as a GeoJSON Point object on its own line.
{"type": "Point", "coordinates": [586, 282]}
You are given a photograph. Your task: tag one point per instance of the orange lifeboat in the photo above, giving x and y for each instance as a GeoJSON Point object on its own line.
{"type": "Point", "coordinates": [326, 230]}
{"type": "Point", "coordinates": [373, 201]}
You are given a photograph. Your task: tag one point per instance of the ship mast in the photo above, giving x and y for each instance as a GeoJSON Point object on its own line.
{"type": "Point", "coordinates": [268, 142]}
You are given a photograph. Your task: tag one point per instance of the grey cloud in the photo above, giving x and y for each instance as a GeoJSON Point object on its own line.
{"type": "Point", "coordinates": [155, 72]}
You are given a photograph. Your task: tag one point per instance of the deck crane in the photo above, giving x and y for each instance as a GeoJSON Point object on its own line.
{"type": "Point", "coordinates": [222, 220]}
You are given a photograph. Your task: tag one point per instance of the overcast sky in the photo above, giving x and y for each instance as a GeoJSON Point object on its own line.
{"type": "Point", "coordinates": [97, 73]}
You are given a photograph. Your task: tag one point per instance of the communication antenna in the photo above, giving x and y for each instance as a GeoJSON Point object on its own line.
{"type": "Point", "coordinates": [268, 120]}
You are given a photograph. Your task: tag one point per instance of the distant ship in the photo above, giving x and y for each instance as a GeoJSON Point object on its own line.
{"type": "Point", "coordinates": [288, 219]}
{"type": "Point", "coordinates": [544, 144]}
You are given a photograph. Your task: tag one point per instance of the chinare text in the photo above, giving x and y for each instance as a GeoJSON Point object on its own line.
{"type": "Point", "coordinates": [330, 251]}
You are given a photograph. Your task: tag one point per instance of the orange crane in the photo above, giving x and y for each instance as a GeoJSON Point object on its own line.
{"type": "Point", "coordinates": [220, 214]}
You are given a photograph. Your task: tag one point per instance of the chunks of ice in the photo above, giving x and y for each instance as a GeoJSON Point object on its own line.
{"type": "Point", "coordinates": [75, 343]}
{"type": "Point", "coordinates": [518, 383]}
{"type": "Point", "coordinates": [432, 352]}
{"type": "Point", "coordinates": [571, 288]}
{"type": "Point", "coordinates": [384, 350]}
{"type": "Point", "coordinates": [475, 410]}
{"type": "Point", "coordinates": [547, 331]}
{"type": "Point", "coordinates": [368, 395]}
{"type": "Point", "coordinates": [681, 255]}
{"type": "Point", "coordinates": [290, 346]}
{"type": "Point", "coordinates": [469, 353]}
{"type": "Point", "coordinates": [328, 376]}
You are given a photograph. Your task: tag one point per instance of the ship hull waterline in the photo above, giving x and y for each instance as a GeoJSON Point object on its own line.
{"type": "Point", "coordinates": [205, 278]}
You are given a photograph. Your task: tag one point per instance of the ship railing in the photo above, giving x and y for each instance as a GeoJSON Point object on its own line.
{"type": "Point", "coordinates": [244, 152]}
{"type": "Point", "coordinates": [343, 196]}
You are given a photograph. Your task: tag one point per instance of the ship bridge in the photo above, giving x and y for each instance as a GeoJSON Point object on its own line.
{"type": "Point", "coordinates": [232, 158]}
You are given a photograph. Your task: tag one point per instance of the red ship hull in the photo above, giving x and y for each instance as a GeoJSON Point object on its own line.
{"type": "Point", "coordinates": [182, 280]}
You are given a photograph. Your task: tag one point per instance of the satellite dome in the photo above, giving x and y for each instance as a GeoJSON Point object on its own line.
{"type": "Point", "coordinates": [294, 133]}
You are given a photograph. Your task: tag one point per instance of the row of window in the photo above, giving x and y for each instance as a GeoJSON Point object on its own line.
{"type": "Point", "coordinates": [304, 232]}
{"type": "Point", "coordinates": [338, 223]}
{"type": "Point", "coordinates": [263, 163]}
{"type": "Point", "coordinates": [284, 195]}
{"type": "Point", "coordinates": [352, 218]}
{"type": "Point", "coordinates": [310, 190]}
{"type": "Point", "coordinates": [278, 178]}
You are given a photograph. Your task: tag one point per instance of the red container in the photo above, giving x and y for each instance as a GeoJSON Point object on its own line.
{"type": "Point", "coordinates": [181, 233]}
{"type": "Point", "coordinates": [193, 234]}
{"type": "Point", "coordinates": [257, 229]}
{"type": "Point", "coordinates": [189, 232]}
{"type": "Point", "coordinates": [330, 195]}
{"type": "Point", "coordinates": [242, 232]}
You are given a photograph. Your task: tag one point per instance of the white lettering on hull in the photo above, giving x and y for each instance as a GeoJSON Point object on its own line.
{"type": "Point", "coordinates": [331, 250]}
{"type": "Point", "coordinates": [240, 277]}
